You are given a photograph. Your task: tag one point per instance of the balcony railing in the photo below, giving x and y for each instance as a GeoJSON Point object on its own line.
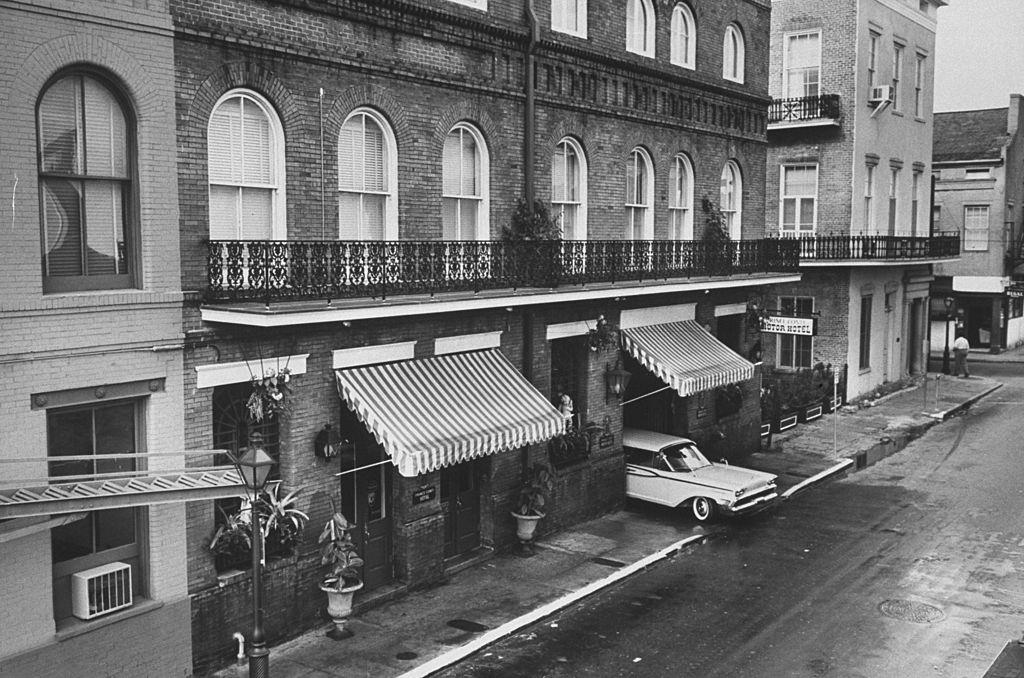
{"type": "Point", "coordinates": [268, 270]}
{"type": "Point", "coordinates": [824, 108]}
{"type": "Point", "coordinates": [876, 247]}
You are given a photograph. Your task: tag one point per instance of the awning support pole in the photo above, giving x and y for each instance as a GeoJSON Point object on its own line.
{"type": "Point", "coordinates": [633, 400]}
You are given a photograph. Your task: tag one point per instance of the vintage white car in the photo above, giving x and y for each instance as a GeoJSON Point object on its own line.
{"type": "Point", "coordinates": [671, 471]}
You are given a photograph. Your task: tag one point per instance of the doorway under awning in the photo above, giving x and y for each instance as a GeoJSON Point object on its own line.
{"type": "Point", "coordinates": [437, 412]}
{"type": "Point", "coordinates": [686, 356]}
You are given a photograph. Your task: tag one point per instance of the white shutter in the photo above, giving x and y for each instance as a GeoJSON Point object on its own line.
{"type": "Point", "coordinates": [558, 192]}
{"type": "Point", "coordinates": [59, 128]}
{"type": "Point", "coordinates": [449, 219]}
{"type": "Point", "coordinates": [451, 164]}
{"type": "Point", "coordinates": [257, 213]}
{"type": "Point", "coordinates": [632, 20]}
{"type": "Point", "coordinates": [350, 155]}
{"type": "Point", "coordinates": [373, 156]}
{"type": "Point", "coordinates": [224, 212]}
{"type": "Point", "coordinates": [256, 145]}
{"type": "Point", "coordinates": [348, 216]}
{"type": "Point", "coordinates": [105, 228]}
{"type": "Point", "coordinates": [223, 142]}
{"type": "Point", "coordinates": [470, 166]}
{"type": "Point", "coordinates": [373, 217]}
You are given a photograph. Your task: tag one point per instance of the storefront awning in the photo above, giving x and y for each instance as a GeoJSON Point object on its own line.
{"type": "Point", "coordinates": [686, 356]}
{"type": "Point", "coordinates": [440, 411]}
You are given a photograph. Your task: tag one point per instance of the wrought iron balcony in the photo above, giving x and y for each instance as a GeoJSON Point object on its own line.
{"type": "Point", "coordinates": [895, 248]}
{"type": "Point", "coordinates": [823, 109]}
{"type": "Point", "coordinates": [269, 270]}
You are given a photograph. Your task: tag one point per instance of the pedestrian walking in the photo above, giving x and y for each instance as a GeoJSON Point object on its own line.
{"type": "Point", "coordinates": [960, 348]}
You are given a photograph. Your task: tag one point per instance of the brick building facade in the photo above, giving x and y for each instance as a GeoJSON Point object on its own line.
{"type": "Point", "coordinates": [978, 169]}
{"type": "Point", "coordinates": [611, 128]}
{"type": "Point", "coordinates": [848, 172]}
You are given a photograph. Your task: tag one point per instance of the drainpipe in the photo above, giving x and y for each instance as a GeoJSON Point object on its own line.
{"type": "Point", "coordinates": [527, 319]}
{"type": "Point", "coordinates": [240, 639]}
{"type": "Point", "coordinates": [528, 114]}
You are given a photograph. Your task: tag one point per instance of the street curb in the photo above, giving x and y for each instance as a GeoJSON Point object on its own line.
{"type": "Point", "coordinates": [818, 477]}
{"type": "Point", "coordinates": [508, 628]}
{"type": "Point", "coordinates": [943, 416]}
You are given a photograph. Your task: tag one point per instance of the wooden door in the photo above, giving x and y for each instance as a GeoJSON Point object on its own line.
{"type": "Point", "coordinates": [460, 504]}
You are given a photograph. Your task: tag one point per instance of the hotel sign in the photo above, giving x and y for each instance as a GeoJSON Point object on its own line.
{"type": "Point", "coordinates": [787, 324]}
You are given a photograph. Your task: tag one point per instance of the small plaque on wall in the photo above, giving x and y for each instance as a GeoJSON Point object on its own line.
{"type": "Point", "coordinates": [606, 440]}
{"type": "Point", "coordinates": [423, 494]}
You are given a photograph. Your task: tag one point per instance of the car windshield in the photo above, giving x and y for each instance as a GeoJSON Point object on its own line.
{"type": "Point", "coordinates": [684, 457]}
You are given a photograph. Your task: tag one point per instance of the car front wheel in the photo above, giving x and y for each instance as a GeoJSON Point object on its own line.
{"type": "Point", "coordinates": [703, 509]}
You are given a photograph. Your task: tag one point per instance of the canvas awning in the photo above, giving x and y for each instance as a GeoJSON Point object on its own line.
{"type": "Point", "coordinates": [686, 356]}
{"type": "Point", "coordinates": [436, 412]}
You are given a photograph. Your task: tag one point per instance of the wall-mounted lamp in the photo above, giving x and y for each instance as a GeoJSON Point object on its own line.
{"type": "Point", "coordinates": [328, 444]}
{"type": "Point", "coordinates": [616, 379]}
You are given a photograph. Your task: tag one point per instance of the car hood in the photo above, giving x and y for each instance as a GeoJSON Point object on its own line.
{"type": "Point", "coordinates": [732, 477]}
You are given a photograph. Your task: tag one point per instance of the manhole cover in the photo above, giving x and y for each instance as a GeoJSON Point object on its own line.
{"type": "Point", "coordinates": [466, 625]}
{"type": "Point", "coordinates": [607, 561]}
{"type": "Point", "coordinates": [406, 655]}
{"type": "Point", "coordinates": [908, 610]}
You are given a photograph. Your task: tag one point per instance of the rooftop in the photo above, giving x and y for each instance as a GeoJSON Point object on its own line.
{"type": "Point", "coordinates": [969, 135]}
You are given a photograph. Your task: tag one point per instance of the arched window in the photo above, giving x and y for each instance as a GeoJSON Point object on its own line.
{"type": "Point", "coordinates": [367, 178]}
{"type": "Point", "coordinates": [569, 189]}
{"type": "Point", "coordinates": [680, 206]}
{"type": "Point", "coordinates": [639, 196]}
{"type": "Point", "coordinates": [734, 53]}
{"type": "Point", "coordinates": [640, 27]}
{"type": "Point", "coordinates": [731, 199]}
{"type": "Point", "coordinates": [85, 134]}
{"type": "Point", "coordinates": [684, 37]}
{"type": "Point", "coordinates": [464, 174]}
{"type": "Point", "coordinates": [245, 155]}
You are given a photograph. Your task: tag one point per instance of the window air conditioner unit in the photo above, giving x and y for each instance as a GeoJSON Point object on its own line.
{"type": "Point", "coordinates": [880, 94]}
{"type": "Point", "coordinates": [100, 590]}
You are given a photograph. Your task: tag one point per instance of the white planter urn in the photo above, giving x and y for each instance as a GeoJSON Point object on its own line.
{"type": "Point", "coordinates": [339, 607]}
{"type": "Point", "coordinates": [526, 526]}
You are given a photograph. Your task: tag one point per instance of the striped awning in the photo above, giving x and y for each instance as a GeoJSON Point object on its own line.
{"type": "Point", "coordinates": [436, 412]}
{"type": "Point", "coordinates": [686, 356]}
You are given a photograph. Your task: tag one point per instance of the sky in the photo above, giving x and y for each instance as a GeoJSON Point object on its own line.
{"type": "Point", "coordinates": [979, 54]}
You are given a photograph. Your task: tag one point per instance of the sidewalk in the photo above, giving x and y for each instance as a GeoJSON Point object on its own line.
{"type": "Point", "coordinates": [428, 629]}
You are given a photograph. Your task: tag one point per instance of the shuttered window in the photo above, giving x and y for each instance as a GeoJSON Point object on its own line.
{"type": "Point", "coordinates": [245, 153]}
{"type": "Point", "coordinates": [364, 177]}
{"type": "Point", "coordinates": [684, 37]}
{"type": "Point", "coordinates": [86, 185]}
{"type": "Point", "coordinates": [733, 54]}
{"type": "Point", "coordinates": [640, 27]}
{"type": "Point", "coordinates": [639, 196]}
{"type": "Point", "coordinates": [569, 16]}
{"type": "Point", "coordinates": [568, 189]}
{"type": "Point", "coordinates": [731, 199]}
{"type": "Point", "coordinates": [803, 64]}
{"type": "Point", "coordinates": [680, 206]}
{"type": "Point", "coordinates": [797, 203]}
{"type": "Point", "coordinates": [462, 185]}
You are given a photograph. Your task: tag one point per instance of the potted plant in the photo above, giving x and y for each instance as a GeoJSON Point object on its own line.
{"type": "Point", "coordinates": [529, 506]}
{"type": "Point", "coordinates": [339, 556]}
{"type": "Point", "coordinates": [231, 544]}
{"type": "Point", "coordinates": [281, 523]}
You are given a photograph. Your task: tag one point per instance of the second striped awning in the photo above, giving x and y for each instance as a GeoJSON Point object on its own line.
{"type": "Point", "coordinates": [686, 356]}
{"type": "Point", "coordinates": [436, 412]}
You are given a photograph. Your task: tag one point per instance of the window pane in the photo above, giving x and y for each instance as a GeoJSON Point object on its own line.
{"type": "Point", "coordinates": [105, 132]}
{"type": "Point", "coordinates": [62, 227]}
{"type": "Point", "coordinates": [115, 434]}
{"type": "Point", "coordinates": [373, 217]}
{"type": "Point", "coordinates": [114, 527]}
{"type": "Point", "coordinates": [69, 434]}
{"type": "Point", "coordinates": [558, 174]}
{"type": "Point", "coordinates": [451, 164]}
{"type": "Point", "coordinates": [786, 350]}
{"type": "Point", "coordinates": [224, 212]}
{"type": "Point", "coordinates": [373, 157]}
{"type": "Point", "coordinates": [470, 168]}
{"type": "Point", "coordinates": [257, 213]}
{"type": "Point", "coordinates": [807, 213]}
{"type": "Point", "coordinates": [104, 211]}
{"type": "Point", "coordinates": [449, 218]}
{"type": "Point", "coordinates": [73, 540]}
{"type": "Point", "coordinates": [224, 142]}
{"type": "Point", "coordinates": [348, 216]}
{"type": "Point", "coordinates": [350, 155]}
{"type": "Point", "coordinates": [59, 129]}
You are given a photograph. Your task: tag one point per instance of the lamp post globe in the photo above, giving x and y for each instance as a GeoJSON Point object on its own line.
{"type": "Point", "coordinates": [254, 469]}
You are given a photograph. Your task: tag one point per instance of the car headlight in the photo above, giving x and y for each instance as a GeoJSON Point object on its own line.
{"type": "Point", "coordinates": [739, 493]}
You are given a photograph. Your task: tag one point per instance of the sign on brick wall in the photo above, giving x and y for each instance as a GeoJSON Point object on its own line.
{"type": "Point", "coordinates": [787, 324]}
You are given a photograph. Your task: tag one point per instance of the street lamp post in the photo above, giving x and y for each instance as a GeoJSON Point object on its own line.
{"type": "Point", "coordinates": [254, 469]}
{"type": "Point", "coordinates": [948, 301]}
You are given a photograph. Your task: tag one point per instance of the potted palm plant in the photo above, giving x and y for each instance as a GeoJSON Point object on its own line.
{"type": "Point", "coordinates": [529, 506]}
{"type": "Point", "coordinates": [339, 556]}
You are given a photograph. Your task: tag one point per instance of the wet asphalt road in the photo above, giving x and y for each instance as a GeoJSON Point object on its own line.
{"type": "Point", "coordinates": [912, 567]}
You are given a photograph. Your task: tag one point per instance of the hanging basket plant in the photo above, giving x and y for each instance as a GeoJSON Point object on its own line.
{"type": "Point", "coordinates": [603, 335]}
{"type": "Point", "coordinates": [269, 395]}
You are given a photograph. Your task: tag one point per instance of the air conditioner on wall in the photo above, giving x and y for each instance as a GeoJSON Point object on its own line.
{"type": "Point", "coordinates": [100, 590]}
{"type": "Point", "coordinates": [880, 94]}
